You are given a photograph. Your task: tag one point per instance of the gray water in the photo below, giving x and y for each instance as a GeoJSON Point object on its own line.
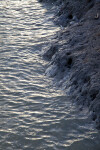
{"type": "Point", "coordinates": [33, 114]}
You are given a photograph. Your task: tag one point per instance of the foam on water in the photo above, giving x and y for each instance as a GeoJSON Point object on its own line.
{"type": "Point", "coordinates": [33, 114]}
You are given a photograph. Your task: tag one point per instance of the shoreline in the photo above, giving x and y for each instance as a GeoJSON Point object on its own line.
{"type": "Point", "coordinates": [74, 55]}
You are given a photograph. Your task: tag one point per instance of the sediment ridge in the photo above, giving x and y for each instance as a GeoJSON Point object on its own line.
{"type": "Point", "coordinates": [74, 54]}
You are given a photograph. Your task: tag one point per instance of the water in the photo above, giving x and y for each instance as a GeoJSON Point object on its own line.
{"type": "Point", "coordinates": [33, 114]}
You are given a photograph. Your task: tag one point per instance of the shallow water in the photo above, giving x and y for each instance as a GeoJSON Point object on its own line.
{"type": "Point", "coordinates": [33, 114]}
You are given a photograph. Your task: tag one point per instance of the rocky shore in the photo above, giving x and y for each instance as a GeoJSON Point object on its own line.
{"type": "Point", "coordinates": [74, 54]}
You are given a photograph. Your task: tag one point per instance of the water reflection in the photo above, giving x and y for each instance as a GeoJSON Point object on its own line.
{"type": "Point", "coordinates": [34, 115]}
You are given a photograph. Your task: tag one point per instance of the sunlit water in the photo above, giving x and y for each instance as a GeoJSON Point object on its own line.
{"type": "Point", "coordinates": [33, 115]}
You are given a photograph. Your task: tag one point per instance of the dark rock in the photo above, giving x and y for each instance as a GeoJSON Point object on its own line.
{"type": "Point", "coordinates": [48, 53]}
{"type": "Point", "coordinates": [94, 116]}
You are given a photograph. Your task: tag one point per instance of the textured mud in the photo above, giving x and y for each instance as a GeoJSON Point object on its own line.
{"type": "Point", "coordinates": [74, 54]}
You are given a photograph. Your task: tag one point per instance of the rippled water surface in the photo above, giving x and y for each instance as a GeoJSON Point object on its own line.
{"type": "Point", "coordinates": [33, 115]}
